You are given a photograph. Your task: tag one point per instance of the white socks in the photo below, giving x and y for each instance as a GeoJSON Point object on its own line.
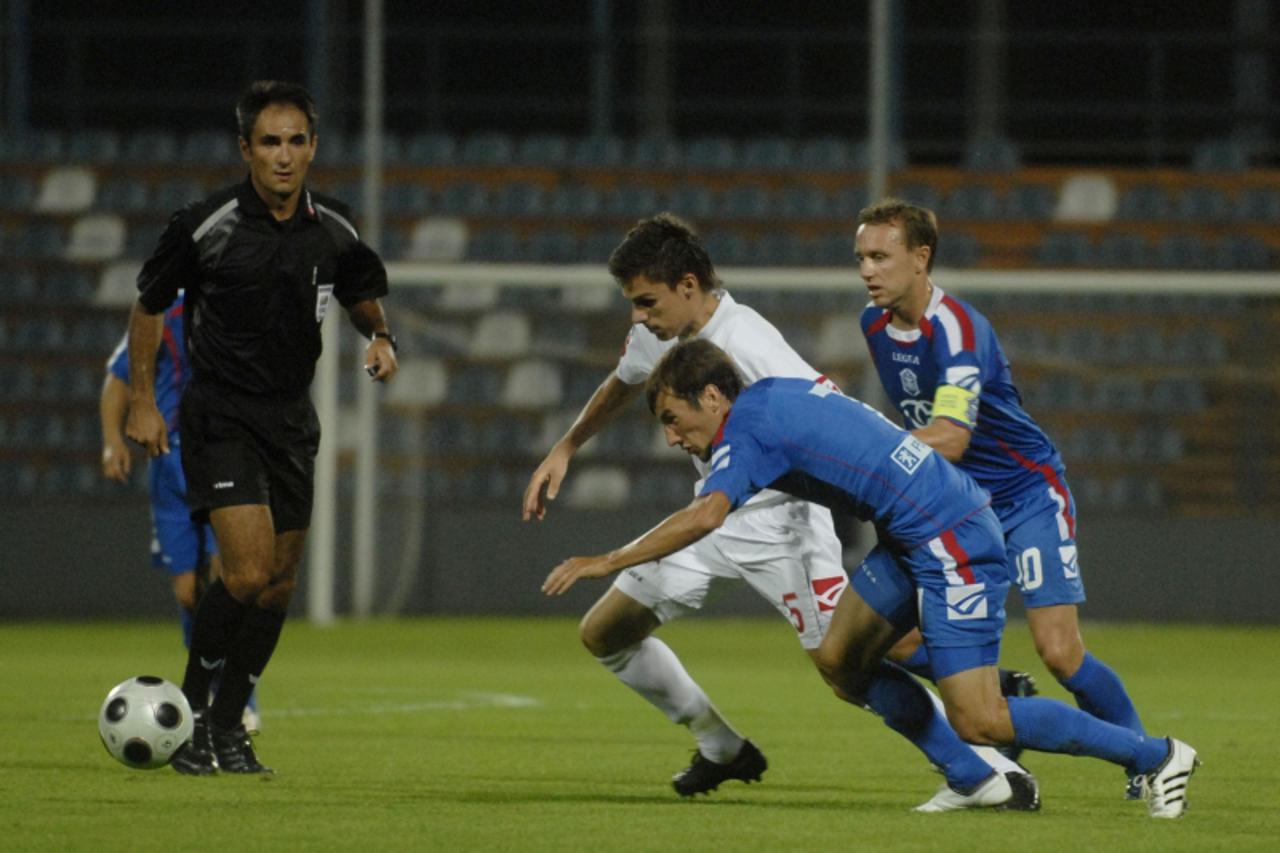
{"type": "Point", "coordinates": [651, 669]}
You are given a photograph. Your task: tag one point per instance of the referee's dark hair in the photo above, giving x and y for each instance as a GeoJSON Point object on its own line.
{"type": "Point", "coordinates": [663, 248]}
{"type": "Point", "coordinates": [690, 367]}
{"type": "Point", "coordinates": [263, 93]}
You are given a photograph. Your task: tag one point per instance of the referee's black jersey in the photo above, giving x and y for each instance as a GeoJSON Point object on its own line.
{"type": "Point", "coordinates": [257, 288]}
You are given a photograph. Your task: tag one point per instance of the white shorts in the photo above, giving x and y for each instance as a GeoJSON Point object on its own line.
{"type": "Point", "coordinates": [788, 552]}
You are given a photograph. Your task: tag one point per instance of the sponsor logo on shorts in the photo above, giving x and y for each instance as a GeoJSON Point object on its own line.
{"type": "Point", "coordinates": [828, 590]}
{"type": "Point", "coordinates": [968, 601]}
{"type": "Point", "coordinates": [225, 484]}
{"type": "Point", "coordinates": [910, 453]}
{"type": "Point", "coordinates": [1070, 565]}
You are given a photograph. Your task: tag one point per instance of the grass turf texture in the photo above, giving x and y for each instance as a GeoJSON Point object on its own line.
{"type": "Point", "coordinates": [493, 734]}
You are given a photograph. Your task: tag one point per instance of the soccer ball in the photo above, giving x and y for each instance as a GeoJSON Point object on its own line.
{"type": "Point", "coordinates": [144, 721]}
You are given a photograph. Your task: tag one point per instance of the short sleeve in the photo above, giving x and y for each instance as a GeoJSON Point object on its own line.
{"type": "Point", "coordinates": [640, 354]}
{"type": "Point", "coordinates": [361, 275]}
{"type": "Point", "coordinates": [171, 267]}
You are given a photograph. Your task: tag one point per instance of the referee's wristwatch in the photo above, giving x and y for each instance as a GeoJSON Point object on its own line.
{"type": "Point", "coordinates": [390, 337]}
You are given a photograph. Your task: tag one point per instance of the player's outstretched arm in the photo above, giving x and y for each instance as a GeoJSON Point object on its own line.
{"type": "Point", "coordinates": [112, 405]}
{"type": "Point", "coordinates": [676, 531]}
{"type": "Point", "coordinates": [609, 399]}
{"type": "Point", "coordinates": [145, 424]}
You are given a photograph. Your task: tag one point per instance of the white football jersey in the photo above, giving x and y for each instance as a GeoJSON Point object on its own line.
{"type": "Point", "coordinates": [755, 345]}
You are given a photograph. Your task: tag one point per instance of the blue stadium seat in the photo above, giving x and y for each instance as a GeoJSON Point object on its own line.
{"type": "Point", "coordinates": [1144, 203]}
{"type": "Point", "coordinates": [1241, 252]}
{"type": "Point", "coordinates": [803, 202]}
{"type": "Point", "coordinates": [747, 201]}
{"type": "Point", "coordinates": [1182, 251]}
{"type": "Point", "coordinates": [833, 249]}
{"type": "Point", "coordinates": [38, 239]}
{"type": "Point", "coordinates": [545, 150]}
{"type": "Point", "coordinates": [711, 154]}
{"type": "Point", "coordinates": [17, 192]}
{"type": "Point", "coordinates": [1258, 205]}
{"type": "Point", "coordinates": [94, 147]}
{"type": "Point", "coordinates": [972, 201]}
{"type": "Point", "coordinates": [574, 201]}
{"type": "Point", "coordinates": [1202, 205]}
{"type": "Point", "coordinates": [924, 195]}
{"type": "Point", "coordinates": [599, 245]}
{"type": "Point", "coordinates": [464, 198]}
{"type": "Point", "coordinates": [430, 149]}
{"type": "Point", "coordinates": [1031, 202]}
{"type": "Point", "coordinates": [657, 153]}
{"type": "Point", "coordinates": [768, 154]}
{"type": "Point", "coordinates": [498, 245]}
{"type": "Point", "coordinates": [780, 249]}
{"type": "Point", "coordinates": [959, 249]}
{"type": "Point", "coordinates": [1220, 155]}
{"type": "Point", "coordinates": [392, 149]}
{"type": "Point", "coordinates": [150, 147]}
{"type": "Point", "coordinates": [488, 149]}
{"type": "Point", "coordinates": [169, 196]}
{"type": "Point", "coordinates": [848, 201]}
{"type": "Point", "coordinates": [210, 148]}
{"type": "Point", "coordinates": [1067, 249]}
{"type": "Point", "coordinates": [632, 201]}
{"type": "Point", "coordinates": [728, 248]}
{"type": "Point", "coordinates": [1122, 250]}
{"type": "Point", "coordinates": [597, 152]}
{"type": "Point", "coordinates": [405, 198]}
{"type": "Point", "coordinates": [553, 247]}
{"type": "Point", "coordinates": [825, 154]}
{"type": "Point", "coordinates": [992, 154]}
{"type": "Point", "coordinates": [691, 201]}
{"type": "Point", "coordinates": [520, 199]}
{"type": "Point", "coordinates": [123, 195]}
{"type": "Point", "coordinates": [862, 156]}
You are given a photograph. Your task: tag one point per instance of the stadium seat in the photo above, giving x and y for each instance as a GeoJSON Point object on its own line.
{"type": "Point", "coordinates": [405, 198]}
{"type": "Point", "coordinates": [488, 149]}
{"type": "Point", "coordinates": [468, 297]}
{"type": "Point", "coordinates": [1087, 197]}
{"type": "Point", "coordinates": [152, 147]}
{"type": "Point", "coordinates": [17, 192]}
{"type": "Point", "coordinates": [464, 198]}
{"type": "Point", "coordinates": [438, 238]}
{"type": "Point", "coordinates": [476, 384]}
{"type": "Point", "coordinates": [656, 153]}
{"type": "Point", "coordinates": [768, 154]}
{"type": "Point", "coordinates": [833, 249]}
{"type": "Point", "coordinates": [37, 239]}
{"type": "Point", "coordinates": [123, 195]}
{"type": "Point", "coordinates": [535, 384]}
{"type": "Point", "coordinates": [779, 249]}
{"type": "Point", "coordinates": [924, 195]}
{"type": "Point", "coordinates": [848, 201]}
{"type": "Point", "coordinates": [1203, 206]}
{"type": "Point", "coordinates": [747, 201]}
{"type": "Point", "coordinates": [574, 201]}
{"type": "Point", "coordinates": [597, 152]}
{"type": "Point", "coordinates": [728, 248]}
{"type": "Point", "coordinates": [599, 487]}
{"type": "Point", "coordinates": [430, 149]}
{"type": "Point", "coordinates": [861, 156]}
{"type": "Point", "coordinates": [803, 202]}
{"type": "Point", "coordinates": [392, 149]}
{"type": "Point", "coordinates": [501, 334]}
{"type": "Point", "coordinates": [631, 201]}
{"type": "Point", "coordinates": [118, 284]}
{"type": "Point", "coordinates": [97, 237]}
{"type": "Point", "coordinates": [553, 246]}
{"type": "Point", "coordinates": [1241, 252]}
{"type": "Point", "coordinates": [1145, 203]}
{"type": "Point", "coordinates": [1121, 250]}
{"type": "Point", "coordinates": [1067, 249]}
{"type": "Point", "coordinates": [421, 383]}
{"type": "Point", "coordinates": [496, 245]}
{"type": "Point", "coordinates": [211, 148]}
{"type": "Point", "coordinates": [1182, 251]}
{"type": "Point", "coordinates": [544, 150]}
{"type": "Point", "coordinates": [711, 154]}
{"type": "Point", "coordinates": [603, 299]}
{"type": "Point", "coordinates": [1032, 202]}
{"type": "Point", "coordinates": [992, 154]}
{"type": "Point", "coordinates": [1220, 155]}
{"type": "Point", "coordinates": [825, 154]}
{"type": "Point", "coordinates": [94, 147]}
{"type": "Point", "coordinates": [520, 199]}
{"type": "Point", "coordinates": [66, 189]}
{"type": "Point", "coordinates": [34, 147]}
{"type": "Point", "coordinates": [972, 201]}
{"type": "Point", "coordinates": [172, 195]}
{"type": "Point", "coordinates": [693, 202]}
{"type": "Point", "coordinates": [1258, 205]}
{"type": "Point", "coordinates": [959, 249]}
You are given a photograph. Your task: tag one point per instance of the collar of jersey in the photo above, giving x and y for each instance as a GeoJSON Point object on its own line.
{"type": "Point", "coordinates": [910, 336]}
{"type": "Point", "coordinates": [718, 317]}
{"type": "Point", "coordinates": [253, 205]}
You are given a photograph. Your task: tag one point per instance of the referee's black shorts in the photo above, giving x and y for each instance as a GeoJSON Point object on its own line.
{"type": "Point", "coordinates": [241, 449]}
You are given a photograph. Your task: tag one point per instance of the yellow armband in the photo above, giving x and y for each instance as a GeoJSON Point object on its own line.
{"type": "Point", "coordinates": [956, 403]}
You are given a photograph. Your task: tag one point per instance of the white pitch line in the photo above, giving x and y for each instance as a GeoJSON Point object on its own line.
{"type": "Point", "coordinates": [465, 702]}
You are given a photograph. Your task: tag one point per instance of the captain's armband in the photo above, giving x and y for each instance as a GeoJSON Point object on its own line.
{"type": "Point", "coordinates": [956, 403]}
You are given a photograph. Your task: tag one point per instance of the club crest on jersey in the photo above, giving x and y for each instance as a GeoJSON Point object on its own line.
{"type": "Point", "coordinates": [910, 453]}
{"type": "Point", "coordinates": [910, 383]}
{"type": "Point", "coordinates": [827, 591]}
{"type": "Point", "coordinates": [967, 601]}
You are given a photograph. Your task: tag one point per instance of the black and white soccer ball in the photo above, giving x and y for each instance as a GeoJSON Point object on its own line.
{"type": "Point", "coordinates": [144, 721]}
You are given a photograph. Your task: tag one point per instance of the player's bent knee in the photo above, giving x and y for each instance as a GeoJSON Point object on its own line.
{"type": "Point", "coordinates": [1062, 656]}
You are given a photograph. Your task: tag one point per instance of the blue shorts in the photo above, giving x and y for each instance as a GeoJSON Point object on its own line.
{"type": "Point", "coordinates": [1040, 537]}
{"type": "Point", "coordinates": [178, 544]}
{"type": "Point", "coordinates": [952, 587]}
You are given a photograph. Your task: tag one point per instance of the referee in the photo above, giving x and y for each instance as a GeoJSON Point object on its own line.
{"type": "Point", "coordinates": [261, 262]}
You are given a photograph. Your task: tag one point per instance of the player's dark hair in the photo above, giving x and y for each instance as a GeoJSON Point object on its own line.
{"type": "Point", "coordinates": [663, 248]}
{"type": "Point", "coordinates": [263, 93]}
{"type": "Point", "coordinates": [919, 224]}
{"type": "Point", "coordinates": [690, 367]}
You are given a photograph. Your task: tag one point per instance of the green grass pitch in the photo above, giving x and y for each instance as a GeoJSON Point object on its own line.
{"type": "Point", "coordinates": [502, 734]}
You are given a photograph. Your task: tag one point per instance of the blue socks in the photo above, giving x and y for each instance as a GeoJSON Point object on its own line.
{"type": "Point", "coordinates": [905, 707]}
{"type": "Point", "coordinates": [1048, 725]}
{"type": "Point", "coordinates": [1099, 691]}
